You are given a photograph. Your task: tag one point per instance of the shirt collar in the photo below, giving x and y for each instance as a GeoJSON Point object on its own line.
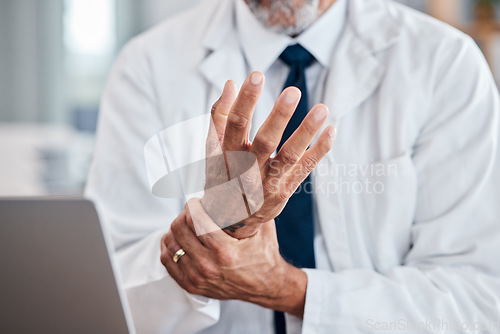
{"type": "Point", "coordinates": [262, 46]}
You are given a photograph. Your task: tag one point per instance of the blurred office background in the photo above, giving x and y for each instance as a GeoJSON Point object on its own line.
{"type": "Point", "coordinates": [55, 56]}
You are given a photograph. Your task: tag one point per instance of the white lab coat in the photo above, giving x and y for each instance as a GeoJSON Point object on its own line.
{"type": "Point", "coordinates": [412, 98]}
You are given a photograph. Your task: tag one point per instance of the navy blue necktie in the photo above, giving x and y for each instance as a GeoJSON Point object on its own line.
{"type": "Point", "coordinates": [295, 225]}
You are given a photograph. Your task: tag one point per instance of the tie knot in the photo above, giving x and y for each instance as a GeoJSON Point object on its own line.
{"type": "Point", "coordinates": [297, 55]}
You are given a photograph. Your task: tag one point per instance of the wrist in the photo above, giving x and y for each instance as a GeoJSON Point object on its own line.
{"type": "Point", "coordinates": [242, 230]}
{"type": "Point", "coordinates": [293, 295]}
{"type": "Point", "coordinates": [289, 295]}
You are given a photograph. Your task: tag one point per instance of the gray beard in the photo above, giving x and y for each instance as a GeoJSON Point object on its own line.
{"type": "Point", "coordinates": [304, 15]}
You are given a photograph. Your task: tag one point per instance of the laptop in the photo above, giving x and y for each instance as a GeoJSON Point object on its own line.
{"type": "Point", "coordinates": [56, 275]}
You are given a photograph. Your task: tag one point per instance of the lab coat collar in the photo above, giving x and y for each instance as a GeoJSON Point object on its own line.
{"type": "Point", "coordinates": [364, 15]}
{"type": "Point", "coordinates": [322, 37]}
{"type": "Point", "coordinates": [371, 27]}
{"type": "Point", "coordinates": [355, 71]}
{"type": "Point", "coordinates": [375, 23]}
{"type": "Point", "coordinates": [222, 24]}
{"type": "Point", "coordinates": [224, 59]}
{"type": "Point", "coordinates": [262, 46]}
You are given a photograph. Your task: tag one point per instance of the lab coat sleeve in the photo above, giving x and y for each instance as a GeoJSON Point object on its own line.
{"type": "Point", "coordinates": [135, 219]}
{"type": "Point", "coordinates": [451, 273]}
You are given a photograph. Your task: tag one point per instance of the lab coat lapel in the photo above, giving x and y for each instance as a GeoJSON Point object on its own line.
{"type": "Point", "coordinates": [221, 65]}
{"type": "Point", "coordinates": [354, 76]}
{"type": "Point", "coordinates": [225, 59]}
{"type": "Point", "coordinates": [355, 72]}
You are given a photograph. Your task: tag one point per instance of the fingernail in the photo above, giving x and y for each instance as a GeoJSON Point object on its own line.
{"type": "Point", "coordinates": [292, 96]}
{"type": "Point", "coordinates": [332, 132]}
{"type": "Point", "coordinates": [256, 78]}
{"type": "Point", "coordinates": [320, 113]}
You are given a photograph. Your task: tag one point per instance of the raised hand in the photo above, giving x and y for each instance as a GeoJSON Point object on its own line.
{"type": "Point", "coordinates": [263, 184]}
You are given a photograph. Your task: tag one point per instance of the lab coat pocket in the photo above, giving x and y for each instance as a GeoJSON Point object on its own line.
{"type": "Point", "coordinates": [379, 203]}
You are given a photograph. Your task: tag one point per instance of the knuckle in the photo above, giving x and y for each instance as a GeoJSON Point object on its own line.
{"type": "Point", "coordinates": [230, 260]}
{"type": "Point", "coordinates": [288, 190]}
{"type": "Point", "coordinates": [325, 146]}
{"type": "Point", "coordinates": [264, 143]}
{"type": "Point", "coordinates": [220, 251]}
{"type": "Point", "coordinates": [186, 206]}
{"type": "Point", "coordinates": [289, 157]}
{"type": "Point", "coordinates": [164, 241]}
{"type": "Point", "coordinates": [215, 106]}
{"type": "Point", "coordinates": [310, 127]}
{"type": "Point", "coordinates": [283, 196]}
{"type": "Point", "coordinates": [269, 188]}
{"type": "Point", "coordinates": [208, 271]}
{"type": "Point", "coordinates": [175, 227]}
{"type": "Point", "coordinates": [260, 217]}
{"type": "Point", "coordinates": [198, 281]}
{"type": "Point", "coordinates": [190, 208]}
{"type": "Point", "coordinates": [237, 122]}
{"type": "Point", "coordinates": [310, 163]}
{"type": "Point", "coordinates": [225, 256]}
{"type": "Point", "coordinates": [164, 258]}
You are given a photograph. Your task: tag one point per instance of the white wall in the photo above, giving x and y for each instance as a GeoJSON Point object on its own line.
{"type": "Point", "coordinates": [30, 60]}
{"type": "Point", "coordinates": [3, 56]}
{"type": "Point", "coordinates": [157, 10]}
{"type": "Point", "coordinates": [31, 52]}
{"type": "Point", "coordinates": [136, 16]}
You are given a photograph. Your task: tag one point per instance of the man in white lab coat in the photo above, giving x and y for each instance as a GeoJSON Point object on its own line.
{"type": "Point", "coordinates": [406, 219]}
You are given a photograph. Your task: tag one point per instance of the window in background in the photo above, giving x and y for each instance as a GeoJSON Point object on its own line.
{"type": "Point", "coordinates": [89, 44]}
{"type": "Point", "coordinates": [89, 27]}
{"type": "Point", "coordinates": [89, 47]}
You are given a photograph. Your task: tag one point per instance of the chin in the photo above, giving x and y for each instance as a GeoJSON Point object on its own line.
{"type": "Point", "coordinates": [284, 16]}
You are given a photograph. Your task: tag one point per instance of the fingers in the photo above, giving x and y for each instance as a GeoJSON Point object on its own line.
{"type": "Point", "coordinates": [168, 249]}
{"type": "Point", "coordinates": [185, 236]}
{"type": "Point", "coordinates": [218, 118]}
{"type": "Point", "coordinates": [292, 150]}
{"type": "Point", "coordinates": [240, 116]}
{"type": "Point", "coordinates": [187, 267]}
{"type": "Point", "coordinates": [269, 135]}
{"type": "Point", "coordinates": [181, 271]}
{"type": "Point", "coordinates": [313, 156]}
{"type": "Point", "coordinates": [220, 109]}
